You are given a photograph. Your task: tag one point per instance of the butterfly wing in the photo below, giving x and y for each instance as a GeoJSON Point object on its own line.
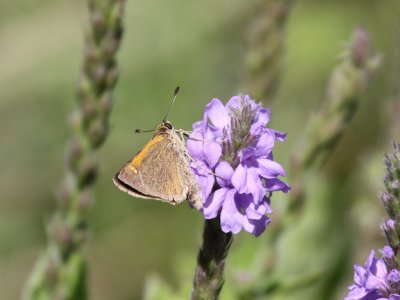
{"type": "Point", "coordinates": [155, 172]}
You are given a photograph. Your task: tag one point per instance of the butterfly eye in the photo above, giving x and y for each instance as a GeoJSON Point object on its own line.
{"type": "Point", "coordinates": [168, 125]}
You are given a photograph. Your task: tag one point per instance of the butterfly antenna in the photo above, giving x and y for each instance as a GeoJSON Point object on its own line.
{"type": "Point", "coordinates": [141, 131]}
{"type": "Point", "coordinates": [172, 102]}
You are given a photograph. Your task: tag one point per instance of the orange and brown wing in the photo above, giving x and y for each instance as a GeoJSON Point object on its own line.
{"type": "Point", "coordinates": [154, 172]}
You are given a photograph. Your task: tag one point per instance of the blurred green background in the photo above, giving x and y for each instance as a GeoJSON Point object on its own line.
{"type": "Point", "coordinates": [200, 46]}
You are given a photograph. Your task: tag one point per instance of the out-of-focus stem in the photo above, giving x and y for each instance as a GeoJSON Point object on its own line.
{"type": "Point", "coordinates": [267, 37]}
{"type": "Point", "coordinates": [60, 270]}
{"type": "Point", "coordinates": [209, 275]}
{"type": "Point", "coordinates": [324, 129]}
{"type": "Point", "coordinates": [347, 83]}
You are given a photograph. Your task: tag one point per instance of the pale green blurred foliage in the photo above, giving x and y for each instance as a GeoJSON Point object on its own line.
{"type": "Point", "coordinates": [199, 46]}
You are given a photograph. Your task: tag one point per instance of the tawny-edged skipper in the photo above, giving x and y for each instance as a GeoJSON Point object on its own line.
{"type": "Point", "coordinates": [161, 170]}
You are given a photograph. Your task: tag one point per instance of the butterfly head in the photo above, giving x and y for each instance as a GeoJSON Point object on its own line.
{"type": "Point", "coordinates": [164, 127]}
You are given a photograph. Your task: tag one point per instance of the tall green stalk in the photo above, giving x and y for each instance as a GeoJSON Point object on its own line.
{"type": "Point", "coordinates": [265, 55]}
{"type": "Point", "coordinates": [348, 81]}
{"type": "Point", "coordinates": [209, 274]}
{"type": "Point", "coordinates": [60, 272]}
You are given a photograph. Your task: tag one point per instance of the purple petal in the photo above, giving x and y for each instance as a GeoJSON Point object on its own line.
{"type": "Point", "coordinates": [269, 168]}
{"type": "Point", "coordinates": [262, 147]}
{"type": "Point", "coordinates": [394, 297]}
{"type": "Point", "coordinates": [257, 211]}
{"type": "Point", "coordinates": [195, 145]}
{"type": "Point", "coordinates": [375, 283]}
{"type": "Point", "coordinates": [239, 179]}
{"type": "Point", "coordinates": [212, 133]}
{"type": "Point", "coordinates": [370, 260]}
{"type": "Point", "coordinates": [262, 118]}
{"type": "Point", "coordinates": [266, 202]}
{"type": "Point", "coordinates": [214, 203]}
{"type": "Point", "coordinates": [246, 153]}
{"type": "Point", "coordinates": [376, 273]}
{"type": "Point", "coordinates": [376, 266]}
{"type": "Point", "coordinates": [231, 218]}
{"type": "Point", "coordinates": [265, 144]}
{"type": "Point", "coordinates": [224, 172]}
{"type": "Point", "coordinates": [272, 185]}
{"type": "Point", "coordinates": [198, 125]}
{"type": "Point", "coordinates": [235, 102]}
{"type": "Point", "coordinates": [216, 114]}
{"type": "Point", "coordinates": [280, 136]}
{"type": "Point", "coordinates": [251, 102]}
{"type": "Point", "coordinates": [256, 227]}
{"type": "Point", "coordinates": [357, 293]}
{"type": "Point", "coordinates": [212, 153]}
{"type": "Point", "coordinates": [359, 275]}
{"type": "Point", "coordinates": [204, 177]}
{"type": "Point", "coordinates": [380, 269]}
{"type": "Point", "coordinates": [246, 181]}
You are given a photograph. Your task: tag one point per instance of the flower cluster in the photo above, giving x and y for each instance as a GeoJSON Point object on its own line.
{"type": "Point", "coordinates": [390, 198]}
{"type": "Point", "coordinates": [379, 279]}
{"type": "Point", "coordinates": [374, 281]}
{"type": "Point", "coordinates": [233, 163]}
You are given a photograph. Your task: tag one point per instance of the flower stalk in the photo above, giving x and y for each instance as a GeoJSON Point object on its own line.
{"type": "Point", "coordinates": [60, 272]}
{"type": "Point", "coordinates": [265, 55]}
{"type": "Point", "coordinates": [209, 274]}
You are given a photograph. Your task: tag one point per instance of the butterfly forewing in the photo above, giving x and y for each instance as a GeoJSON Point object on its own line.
{"type": "Point", "coordinates": [159, 155]}
{"type": "Point", "coordinates": [161, 170]}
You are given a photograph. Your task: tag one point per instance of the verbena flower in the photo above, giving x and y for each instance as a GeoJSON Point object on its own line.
{"type": "Point", "coordinates": [233, 163]}
{"type": "Point", "coordinates": [380, 277]}
{"type": "Point", "coordinates": [374, 281]}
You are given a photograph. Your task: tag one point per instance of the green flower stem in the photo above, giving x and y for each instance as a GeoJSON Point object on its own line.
{"type": "Point", "coordinates": [60, 270]}
{"type": "Point", "coordinates": [266, 48]}
{"type": "Point", "coordinates": [209, 274]}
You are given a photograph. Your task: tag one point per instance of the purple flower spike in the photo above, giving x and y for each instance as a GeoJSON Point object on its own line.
{"type": "Point", "coordinates": [374, 282]}
{"type": "Point", "coordinates": [232, 161]}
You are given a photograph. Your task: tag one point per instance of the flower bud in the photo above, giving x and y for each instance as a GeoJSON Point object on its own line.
{"type": "Point", "coordinates": [61, 233]}
{"type": "Point", "coordinates": [106, 102]}
{"type": "Point", "coordinates": [112, 76]}
{"type": "Point", "coordinates": [390, 231]}
{"type": "Point", "coordinates": [394, 276]}
{"type": "Point", "coordinates": [85, 200]}
{"type": "Point", "coordinates": [388, 203]}
{"type": "Point", "coordinates": [97, 132]}
{"type": "Point", "coordinates": [74, 153]}
{"type": "Point", "coordinates": [361, 47]}
{"type": "Point", "coordinates": [51, 271]}
{"type": "Point", "coordinates": [87, 171]}
{"type": "Point", "coordinates": [63, 195]}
